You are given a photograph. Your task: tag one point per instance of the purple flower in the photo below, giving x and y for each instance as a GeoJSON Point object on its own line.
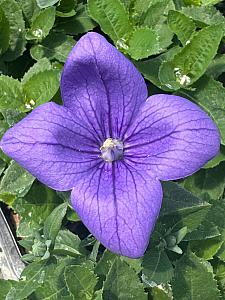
{"type": "Point", "coordinates": [110, 145]}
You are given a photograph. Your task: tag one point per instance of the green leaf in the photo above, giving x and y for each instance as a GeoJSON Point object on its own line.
{"type": "Point", "coordinates": [46, 3]}
{"type": "Point", "coordinates": [194, 279]}
{"type": "Point", "coordinates": [40, 83]}
{"type": "Point", "coordinates": [157, 267]}
{"type": "Point", "coordinates": [214, 219]}
{"type": "Point", "coordinates": [122, 283]}
{"type": "Point", "coordinates": [177, 200]}
{"type": "Point", "coordinates": [181, 25]}
{"type": "Point", "coordinates": [55, 46]}
{"type": "Point", "coordinates": [53, 222]}
{"type": "Point", "coordinates": [80, 281]}
{"type": "Point", "coordinates": [17, 41]}
{"type": "Point", "coordinates": [29, 8]}
{"type": "Point", "coordinates": [204, 15]}
{"type": "Point", "coordinates": [217, 66]}
{"type": "Point", "coordinates": [219, 270]}
{"type": "Point", "coordinates": [68, 243]}
{"type": "Point", "coordinates": [54, 287]}
{"type": "Point", "coordinates": [112, 16]}
{"type": "Point", "coordinates": [11, 93]}
{"type": "Point", "coordinates": [2, 166]}
{"type": "Point", "coordinates": [216, 160]}
{"type": "Point", "coordinates": [156, 12]}
{"type": "Point", "coordinates": [66, 8]}
{"type": "Point", "coordinates": [6, 286]}
{"type": "Point", "coordinates": [37, 205]}
{"type": "Point", "coordinates": [42, 24]}
{"type": "Point", "coordinates": [80, 23]}
{"type": "Point", "coordinates": [206, 248]}
{"type": "Point", "coordinates": [207, 183]}
{"type": "Point", "coordinates": [210, 95]}
{"type": "Point", "coordinates": [192, 61]}
{"type": "Point", "coordinates": [143, 43]}
{"type": "Point", "coordinates": [4, 32]}
{"type": "Point", "coordinates": [150, 68]}
{"type": "Point", "coordinates": [162, 292]}
{"type": "Point", "coordinates": [16, 182]}
{"type": "Point", "coordinates": [103, 266]}
{"type": "Point", "coordinates": [32, 277]}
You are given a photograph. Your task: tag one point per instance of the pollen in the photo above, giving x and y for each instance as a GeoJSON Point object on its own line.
{"type": "Point", "coordinates": [111, 150]}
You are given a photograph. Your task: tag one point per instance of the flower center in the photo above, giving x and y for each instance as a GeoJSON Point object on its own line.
{"type": "Point", "coordinates": [112, 149]}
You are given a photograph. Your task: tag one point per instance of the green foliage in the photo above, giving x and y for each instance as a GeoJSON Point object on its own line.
{"type": "Point", "coordinates": [194, 279]}
{"type": "Point", "coordinates": [192, 61]}
{"type": "Point", "coordinates": [53, 222]}
{"type": "Point", "coordinates": [122, 283]}
{"type": "Point", "coordinates": [157, 268]}
{"type": "Point", "coordinates": [181, 25]}
{"type": "Point", "coordinates": [14, 17]}
{"type": "Point", "coordinates": [4, 32]}
{"type": "Point", "coordinates": [55, 47]}
{"type": "Point", "coordinates": [41, 24]}
{"type": "Point", "coordinates": [15, 182]}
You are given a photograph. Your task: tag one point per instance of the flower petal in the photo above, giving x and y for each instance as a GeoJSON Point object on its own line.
{"type": "Point", "coordinates": [52, 146]}
{"type": "Point", "coordinates": [102, 87]}
{"type": "Point", "coordinates": [172, 137]}
{"type": "Point", "coordinates": [119, 206]}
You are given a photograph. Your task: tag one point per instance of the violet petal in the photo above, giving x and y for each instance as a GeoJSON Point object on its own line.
{"type": "Point", "coordinates": [102, 87]}
{"type": "Point", "coordinates": [119, 206]}
{"type": "Point", "coordinates": [52, 146]}
{"type": "Point", "coordinates": [171, 137]}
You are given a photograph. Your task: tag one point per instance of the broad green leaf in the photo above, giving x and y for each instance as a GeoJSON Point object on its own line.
{"type": "Point", "coordinates": [177, 200]}
{"type": "Point", "coordinates": [80, 281]}
{"type": "Point", "coordinates": [123, 283]}
{"type": "Point", "coordinates": [210, 95]}
{"type": "Point", "coordinates": [207, 183]}
{"type": "Point", "coordinates": [219, 271]}
{"type": "Point", "coordinates": [150, 68]}
{"type": "Point", "coordinates": [80, 23]}
{"type": "Point", "coordinates": [17, 41]}
{"type": "Point", "coordinates": [40, 83]}
{"type": "Point", "coordinates": [143, 43]}
{"type": "Point", "coordinates": [162, 292]}
{"type": "Point", "coordinates": [32, 277]}
{"type": "Point", "coordinates": [206, 230]}
{"type": "Point", "coordinates": [12, 116]}
{"type": "Point", "coordinates": [55, 46]}
{"type": "Point", "coordinates": [181, 25]}
{"type": "Point", "coordinates": [30, 9]}
{"type": "Point", "coordinates": [206, 248]}
{"type": "Point", "coordinates": [217, 66]}
{"type": "Point", "coordinates": [194, 279]}
{"type": "Point", "coordinates": [66, 8]}
{"type": "Point", "coordinates": [212, 225]}
{"type": "Point", "coordinates": [157, 268]}
{"type": "Point", "coordinates": [216, 160]}
{"type": "Point", "coordinates": [4, 32]}
{"type": "Point", "coordinates": [54, 287]}
{"type": "Point", "coordinates": [204, 15]}
{"type": "Point", "coordinates": [37, 205]}
{"type": "Point", "coordinates": [68, 243]}
{"type": "Point", "coordinates": [6, 286]}
{"type": "Point", "coordinates": [156, 13]}
{"type": "Point", "coordinates": [111, 15]}
{"type": "Point", "coordinates": [11, 93]}
{"type": "Point", "coordinates": [192, 61]}
{"type": "Point", "coordinates": [53, 222]}
{"type": "Point", "coordinates": [42, 24]}
{"type": "Point", "coordinates": [46, 3]}
{"type": "Point", "coordinates": [103, 266]}
{"type": "Point", "coordinates": [165, 36]}
{"type": "Point", "coordinates": [16, 182]}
